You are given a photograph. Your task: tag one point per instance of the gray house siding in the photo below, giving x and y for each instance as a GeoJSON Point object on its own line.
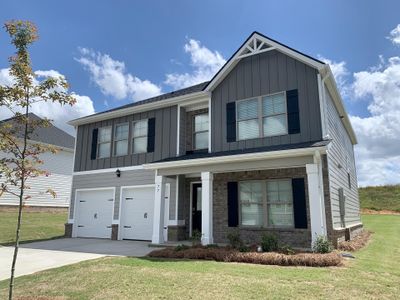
{"type": "Point", "coordinates": [341, 161]}
{"type": "Point", "coordinates": [128, 178]}
{"type": "Point", "coordinates": [165, 141]}
{"type": "Point", "coordinates": [263, 74]}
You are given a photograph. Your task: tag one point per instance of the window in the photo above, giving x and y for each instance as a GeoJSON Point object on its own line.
{"type": "Point", "coordinates": [200, 137]}
{"type": "Point", "coordinates": [349, 180]}
{"type": "Point", "coordinates": [274, 115]}
{"type": "Point", "coordinates": [104, 142]}
{"type": "Point", "coordinates": [261, 117]}
{"type": "Point", "coordinates": [139, 137]}
{"type": "Point", "coordinates": [280, 203]}
{"type": "Point", "coordinates": [121, 139]}
{"type": "Point", "coordinates": [266, 203]}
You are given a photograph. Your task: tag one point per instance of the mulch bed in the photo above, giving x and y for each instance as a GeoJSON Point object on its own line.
{"type": "Point", "coordinates": [266, 258]}
{"type": "Point", "coordinates": [356, 243]}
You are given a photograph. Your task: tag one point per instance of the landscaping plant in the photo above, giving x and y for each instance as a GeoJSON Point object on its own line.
{"type": "Point", "coordinates": [234, 239]}
{"type": "Point", "coordinates": [22, 156]}
{"type": "Point", "coordinates": [322, 245]}
{"type": "Point", "coordinates": [269, 243]}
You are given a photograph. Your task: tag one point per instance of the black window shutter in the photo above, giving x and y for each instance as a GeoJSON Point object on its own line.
{"type": "Point", "coordinates": [292, 103]}
{"type": "Point", "coordinates": [233, 204]}
{"type": "Point", "coordinates": [93, 153]}
{"type": "Point", "coordinates": [151, 134]}
{"type": "Point", "coordinates": [231, 122]}
{"type": "Point", "coordinates": [299, 203]}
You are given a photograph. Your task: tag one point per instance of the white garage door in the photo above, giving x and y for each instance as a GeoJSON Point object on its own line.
{"type": "Point", "coordinates": [94, 211]}
{"type": "Point", "coordinates": [138, 211]}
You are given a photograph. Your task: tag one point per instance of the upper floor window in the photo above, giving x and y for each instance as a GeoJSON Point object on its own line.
{"type": "Point", "coordinates": [104, 142]}
{"type": "Point", "coordinates": [266, 203]}
{"type": "Point", "coordinates": [262, 116]}
{"type": "Point", "coordinates": [121, 139]}
{"type": "Point", "coordinates": [139, 136]}
{"type": "Point", "coordinates": [200, 133]}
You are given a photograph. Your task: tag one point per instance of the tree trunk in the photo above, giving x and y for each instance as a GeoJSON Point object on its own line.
{"type": "Point", "coordinates": [21, 198]}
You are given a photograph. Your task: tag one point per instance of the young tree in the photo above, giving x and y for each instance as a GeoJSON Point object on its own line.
{"type": "Point", "coordinates": [21, 161]}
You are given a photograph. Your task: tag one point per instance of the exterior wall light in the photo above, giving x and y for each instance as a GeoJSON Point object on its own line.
{"type": "Point", "coordinates": [118, 173]}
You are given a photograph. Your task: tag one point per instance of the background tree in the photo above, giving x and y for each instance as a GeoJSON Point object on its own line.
{"type": "Point", "coordinates": [22, 156]}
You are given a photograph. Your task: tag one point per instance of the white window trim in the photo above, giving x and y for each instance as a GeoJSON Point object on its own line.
{"type": "Point", "coordinates": [99, 143]}
{"type": "Point", "coordinates": [115, 139]}
{"type": "Point", "coordinates": [261, 117]}
{"type": "Point", "coordinates": [200, 131]}
{"type": "Point", "coordinates": [141, 136]}
{"type": "Point", "coordinates": [265, 203]}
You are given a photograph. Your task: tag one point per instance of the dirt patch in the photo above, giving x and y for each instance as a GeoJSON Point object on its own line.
{"type": "Point", "coordinates": [367, 211]}
{"type": "Point", "coordinates": [34, 209]}
{"type": "Point", "coordinates": [357, 243]}
{"type": "Point", "coordinates": [267, 258]}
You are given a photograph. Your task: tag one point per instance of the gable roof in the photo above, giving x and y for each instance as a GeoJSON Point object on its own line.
{"type": "Point", "coordinates": [48, 135]}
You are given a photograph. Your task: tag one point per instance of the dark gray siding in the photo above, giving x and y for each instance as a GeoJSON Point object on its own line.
{"type": "Point", "coordinates": [165, 141]}
{"type": "Point", "coordinates": [263, 74]}
{"type": "Point", "coordinates": [340, 162]}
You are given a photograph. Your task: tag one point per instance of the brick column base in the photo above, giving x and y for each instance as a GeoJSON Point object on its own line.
{"type": "Point", "coordinates": [68, 230]}
{"type": "Point", "coordinates": [114, 231]}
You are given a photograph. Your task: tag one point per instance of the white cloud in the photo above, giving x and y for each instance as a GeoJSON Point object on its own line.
{"type": "Point", "coordinates": [205, 64]}
{"type": "Point", "coordinates": [339, 71]}
{"type": "Point", "coordinates": [111, 76]}
{"type": "Point", "coordinates": [59, 114]}
{"type": "Point", "coordinates": [378, 152]}
{"type": "Point", "coordinates": [395, 35]}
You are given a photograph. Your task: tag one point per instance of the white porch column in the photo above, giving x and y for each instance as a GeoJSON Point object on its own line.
{"type": "Point", "coordinates": [316, 202]}
{"type": "Point", "coordinates": [206, 208]}
{"type": "Point", "coordinates": [159, 207]}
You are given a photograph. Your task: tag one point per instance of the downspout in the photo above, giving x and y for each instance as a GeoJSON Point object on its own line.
{"type": "Point", "coordinates": [322, 101]}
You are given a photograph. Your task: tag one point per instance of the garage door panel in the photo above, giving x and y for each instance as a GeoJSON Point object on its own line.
{"type": "Point", "coordinates": [95, 213]}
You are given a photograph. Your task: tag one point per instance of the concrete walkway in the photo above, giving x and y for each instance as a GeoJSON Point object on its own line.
{"type": "Point", "coordinates": [39, 256]}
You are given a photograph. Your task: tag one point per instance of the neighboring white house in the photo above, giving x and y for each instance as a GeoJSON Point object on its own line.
{"type": "Point", "coordinates": [58, 165]}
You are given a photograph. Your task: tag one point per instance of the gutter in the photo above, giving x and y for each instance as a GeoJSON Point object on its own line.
{"type": "Point", "coordinates": [235, 158]}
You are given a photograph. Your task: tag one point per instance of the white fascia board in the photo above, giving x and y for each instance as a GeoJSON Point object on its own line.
{"type": "Point", "coordinates": [338, 101]}
{"type": "Point", "coordinates": [234, 158]}
{"type": "Point", "coordinates": [193, 97]}
{"type": "Point", "coordinates": [234, 60]}
{"type": "Point", "coordinates": [108, 170]}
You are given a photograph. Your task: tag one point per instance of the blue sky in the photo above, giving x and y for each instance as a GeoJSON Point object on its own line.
{"type": "Point", "coordinates": [141, 42]}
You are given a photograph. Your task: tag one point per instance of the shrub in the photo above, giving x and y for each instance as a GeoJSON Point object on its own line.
{"type": "Point", "coordinates": [269, 243]}
{"type": "Point", "coordinates": [286, 249]}
{"type": "Point", "coordinates": [181, 247]}
{"type": "Point", "coordinates": [212, 246]}
{"type": "Point", "coordinates": [234, 238]}
{"type": "Point", "coordinates": [244, 248]}
{"type": "Point", "coordinates": [196, 238]}
{"type": "Point", "coordinates": [322, 245]}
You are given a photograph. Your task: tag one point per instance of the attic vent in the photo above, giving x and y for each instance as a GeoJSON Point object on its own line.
{"type": "Point", "coordinates": [254, 46]}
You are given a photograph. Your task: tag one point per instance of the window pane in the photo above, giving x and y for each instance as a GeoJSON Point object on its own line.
{"type": "Point", "coordinates": [105, 134]}
{"type": "Point", "coordinates": [121, 147]}
{"type": "Point", "coordinates": [201, 122]}
{"type": "Point", "coordinates": [121, 132]}
{"type": "Point", "coordinates": [199, 198]}
{"type": "Point", "coordinates": [140, 128]}
{"type": "Point", "coordinates": [140, 145]}
{"type": "Point", "coordinates": [104, 150]}
{"type": "Point", "coordinates": [201, 140]}
{"type": "Point", "coordinates": [247, 109]}
{"type": "Point", "coordinates": [280, 214]}
{"type": "Point", "coordinates": [274, 104]}
{"type": "Point", "coordinates": [248, 129]}
{"type": "Point", "coordinates": [275, 125]}
{"type": "Point", "coordinates": [252, 214]}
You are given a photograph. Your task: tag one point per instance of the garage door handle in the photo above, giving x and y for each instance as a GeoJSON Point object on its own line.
{"type": "Point", "coordinates": [82, 200]}
{"type": "Point", "coordinates": [110, 200]}
{"type": "Point", "coordinates": [81, 226]}
{"type": "Point", "coordinates": [109, 226]}
{"type": "Point", "coordinates": [128, 199]}
{"type": "Point", "coordinates": [127, 226]}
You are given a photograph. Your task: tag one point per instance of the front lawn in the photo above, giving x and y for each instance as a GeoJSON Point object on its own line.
{"type": "Point", "coordinates": [375, 273]}
{"type": "Point", "coordinates": [36, 225]}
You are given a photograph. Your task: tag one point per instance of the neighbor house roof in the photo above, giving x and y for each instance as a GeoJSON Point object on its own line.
{"type": "Point", "coordinates": [48, 135]}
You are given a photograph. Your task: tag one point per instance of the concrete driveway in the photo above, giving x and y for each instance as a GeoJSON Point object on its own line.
{"type": "Point", "coordinates": [39, 256]}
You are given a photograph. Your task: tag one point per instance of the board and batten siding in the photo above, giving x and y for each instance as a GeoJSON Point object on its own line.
{"type": "Point", "coordinates": [128, 178]}
{"type": "Point", "coordinates": [165, 141]}
{"type": "Point", "coordinates": [263, 74]}
{"type": "Point", "coordinates": [341, 161]}
{"type": "Point", "coordinates": [59, 166]}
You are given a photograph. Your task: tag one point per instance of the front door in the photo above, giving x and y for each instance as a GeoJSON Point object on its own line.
{"type": "Point", "coordinates": [196, 207]}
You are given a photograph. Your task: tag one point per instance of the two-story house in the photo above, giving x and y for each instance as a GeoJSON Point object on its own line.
{"type": "Point", "coordinates": [265, 146]}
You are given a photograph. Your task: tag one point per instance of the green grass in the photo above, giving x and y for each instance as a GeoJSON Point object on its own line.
{"type": "Point", "coordinates": [36, 225]}
{"type": "Point", "coordinates": [375, 273]}
{"type": "Point", "coordinates": [380, 197]}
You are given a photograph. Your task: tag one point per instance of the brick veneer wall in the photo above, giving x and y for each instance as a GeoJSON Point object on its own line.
{"type": "Point", "coordinates": [68, 230]}
{"type": "Point", "coordinates": [300, 238]}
